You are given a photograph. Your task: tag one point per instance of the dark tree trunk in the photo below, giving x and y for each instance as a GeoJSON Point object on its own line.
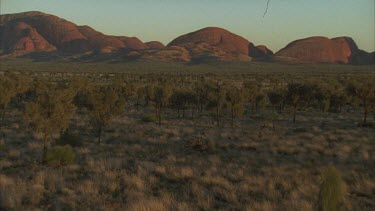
{"type": "Point", "coordinates": [294, 115]}
{"type": "Point", "coordinates": [217, 116]}
{"type": "Point", "coordinates": [232, 118]}
{"type": "Point", "coordinates": [2, 124]}
{"type": "Point", "coordinates": [137, 104]}
{"type": "Point", "coordinates": [100, 129]}
{"type": "Point", "coordinates": [365, 111]}
{"type": "Point", "coordinates": [159, 116]}
{"type": "Point", "coordinates": [44, 155]}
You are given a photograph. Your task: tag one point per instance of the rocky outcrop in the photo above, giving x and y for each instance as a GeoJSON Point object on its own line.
{"type": "Point", "coordinates": [20, 38]}
{"type": "Point", "coordinates": [168, 54]}
{"type": "Point", "coordinates": [99, 41]}
{"type": "Point", "coordinates": [321, 50]}
{"type": "Point", "coordinates": [259, 52]}
{"type": "Point", "coordinates": [218, 37]}
{"type": "Point", "coordinates": [155, 45]}
{"type": "Point", "coordinates": [64, 35]}
{"type": "Point", "coordinates": [28, 32]}
{"type": "Point", "coordinates": [132, 43]}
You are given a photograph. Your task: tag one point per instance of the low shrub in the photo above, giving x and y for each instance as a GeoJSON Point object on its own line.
{"type": "Point", "coordinates": [332, 191]}
{"type": "Point", "coordinates": [201, 144]}
{"type": "Point", "coordinates": [149, 119]}
{"type": "Point", "coordinates": [367, 125]}
{"type": "Point", "coordinates": [69, 139]}
{"type": "Point", "coordinates": [2, 147]}
{"type": "Point", "coordinates": [300, 130]}
{"type": "Point", "coordinates": [60, 155]}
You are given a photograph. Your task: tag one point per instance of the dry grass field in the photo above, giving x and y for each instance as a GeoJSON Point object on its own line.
{"type": "Point", "coordinates": [262, 162]}
{"type": "Point", "coordinates": [141, 166]}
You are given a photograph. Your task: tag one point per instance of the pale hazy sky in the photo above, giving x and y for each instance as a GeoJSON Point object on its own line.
{"type": "Point", "coordinates": [164, 20]}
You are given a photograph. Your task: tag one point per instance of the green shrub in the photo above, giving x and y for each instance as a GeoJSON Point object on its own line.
{"type": "Point", "coordinates": [60, 155]}
{"type": "Point", "coordinates": [149, 119]}
{"type": "Point", "coordinates": [2, 147]}
{"type": "Point", "coordinates": [332, 191]}
{"type": "Point", "coordinates": [69, 139]}
{"type": "Point", "coordinates": [367, 125]}
{"type": "Point", "coordinates": [201, 144]}
{"type": "Point", "coordinates": [300, 130]}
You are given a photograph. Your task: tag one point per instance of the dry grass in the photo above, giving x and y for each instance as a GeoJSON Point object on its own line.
{"type": "Point", "coordinates": [141, 166]}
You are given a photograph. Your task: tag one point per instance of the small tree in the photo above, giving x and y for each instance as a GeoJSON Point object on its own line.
{"type": "Point", "coordinates": [332, 191]}
{"type": "Point", "coordinates": [103, 104]}
{"type": "Point", "coordinates": [252, 91]}
{"type": "Point", "coordinates": [337, 100]}
{"type": "Point", "coordinates": [363, 91]}
{"type": "Point", "coordinates": [254, 95]}
{"type": "Point", "coordinates": [201, 91]}
{"type": "Point", "coordinates": [159, 96]}
{"type": "Point", "coordinates": [50, 113]}
{"type": "Point", "coordinates": [216, 99]}
{"type": "Point", "coordinates": [298, 97]}
{"type": "Point", "coordinates": [183, 100]}
{"type": "Point", "coordinates": [81, 86]}
{"type": "Point", "coordinates": [322, 94]}
{"type": "Point", "coordinates": [276, 98]}
{"type": "Point", "coordinates": [235, 98]}
{"type": "Point", "coordinates": [139, 96]}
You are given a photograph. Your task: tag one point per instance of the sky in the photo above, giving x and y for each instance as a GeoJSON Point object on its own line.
{"type": "Point", "coordinates": [164, 20]}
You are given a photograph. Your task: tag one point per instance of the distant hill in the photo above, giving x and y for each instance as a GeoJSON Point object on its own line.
{"type": "Point", "coordinates": [342, 50]}
{"type": "Point", "coordinates": [36, 31]}
{"type": "Point", "coordinates": [30, 33]}
{"type": "Point", "coordinates": [217, 44]}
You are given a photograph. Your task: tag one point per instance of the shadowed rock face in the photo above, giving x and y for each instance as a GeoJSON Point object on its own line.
{"type": "Point", "coordinates": [65, 35]}
{"type": "Point", "coordinates": [167, 54]}
{"type": "Point", "coordinates": [259, 51]}
{"type": "Point", "coordinates": [220, 38]}
{"type": "Point", "coordinates": [19, 38]}
{"type": "Point", "coordinates": [321, 50]}
{"type": "Point", "coordinates": [203, 52]}
{"type": "Point", "coordinates": [363, 58]}
{"type": "Point", "coordinates": [155, 45]}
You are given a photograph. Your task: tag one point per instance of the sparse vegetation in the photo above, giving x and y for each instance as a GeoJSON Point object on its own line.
{"type": "Point", "coordinates": [10, 86]}
{"type": "Point", "coordinates": [181, 159]}
{"type": "Point", "coordinates": [364, 91]}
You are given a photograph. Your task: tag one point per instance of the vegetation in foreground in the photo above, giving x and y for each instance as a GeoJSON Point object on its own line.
{"type": "Point", "coordinates": [187, 142]}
